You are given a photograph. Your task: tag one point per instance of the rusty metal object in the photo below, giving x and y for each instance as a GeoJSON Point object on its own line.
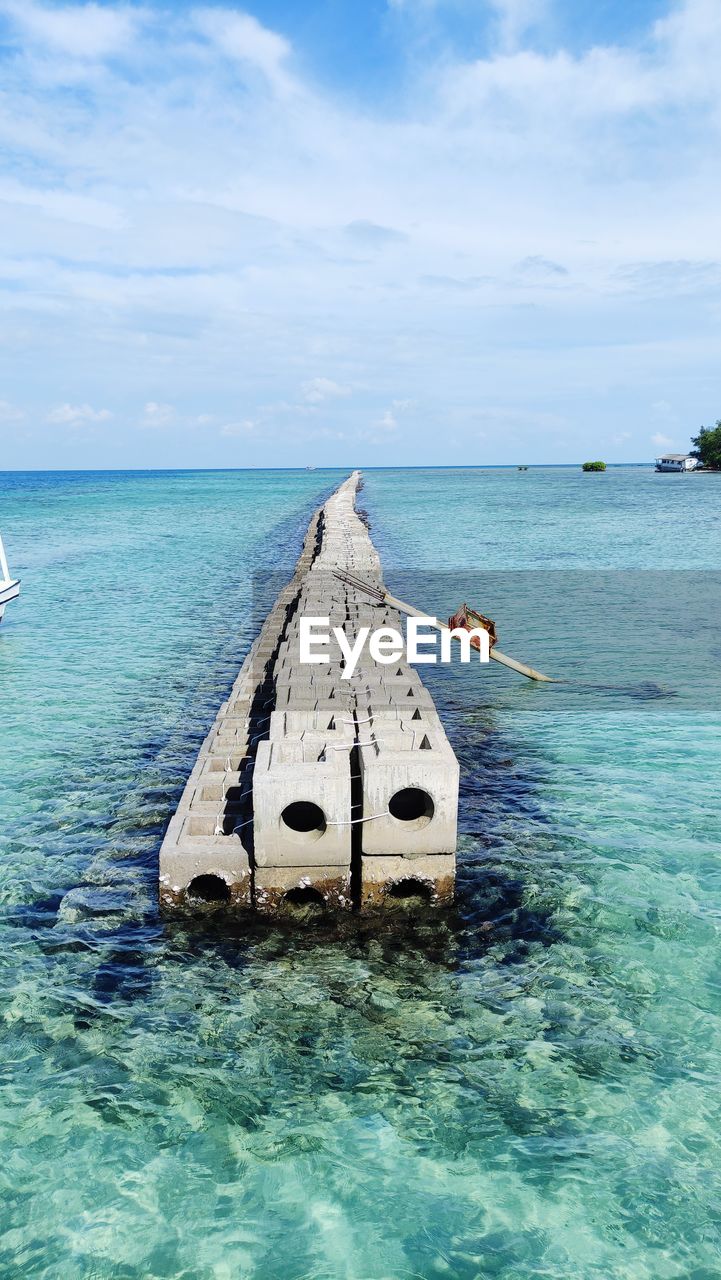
{"type": "Point", "coordinates": [469, 620]}
{"type": "Point", "coordinates": [381, 596]}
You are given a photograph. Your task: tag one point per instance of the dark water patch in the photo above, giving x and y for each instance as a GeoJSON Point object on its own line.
{"type": "Point", "coordinates": [123, 975]}
{"type": "Point", "coordinates": [38, 914]}
{"type": "Point", "coordinates": [642, 691]}
{"type": "Point", "coordinates": [499, 904]}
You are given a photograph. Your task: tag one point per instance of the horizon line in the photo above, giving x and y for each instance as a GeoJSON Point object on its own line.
{"type": "Point", "coordinates": [430, 466]}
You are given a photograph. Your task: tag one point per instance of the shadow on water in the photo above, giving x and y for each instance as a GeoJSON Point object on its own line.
{"type": "Point", "coordinates": [491, 905]}
{"type": "Point", "coordinates": [125, 933]}
{"type": "Point", "coordinates": [490, 909]}
{"type": "Point", "coordinates": [110, 935]}
{"type": "Point", "coordinates": [123, 973]}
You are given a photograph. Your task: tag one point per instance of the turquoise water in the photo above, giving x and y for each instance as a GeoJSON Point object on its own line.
{"type": "Point", "coordinates": [524, 1087]}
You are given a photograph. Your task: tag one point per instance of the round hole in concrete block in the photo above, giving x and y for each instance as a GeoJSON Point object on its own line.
{"type": "Point", "coordinates": [208, 888]}
{"type": "Point", "coordinates": [406, 889]}
{"type": "Point", "coordinates": [304, 819]}
{"type": "Point", "coordinates": [412, 806]}
{"type": "Point", "coordinates": [304, 896]}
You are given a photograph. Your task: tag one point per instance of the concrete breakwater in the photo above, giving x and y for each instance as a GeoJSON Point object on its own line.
{"type": "Point", "coordinates": [311, 787]}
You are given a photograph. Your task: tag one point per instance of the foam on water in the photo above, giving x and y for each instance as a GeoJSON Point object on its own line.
{"type": "Point", "coordinates": [526, 1086]}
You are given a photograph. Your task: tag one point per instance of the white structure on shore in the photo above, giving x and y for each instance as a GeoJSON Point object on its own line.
{"type": "Point", "coordinates": [677, 462]}
{"type": "Point", "coordinates": [9, 587]}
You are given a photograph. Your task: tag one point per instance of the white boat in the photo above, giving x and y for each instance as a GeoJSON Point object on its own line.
{"type": "Point", "coordinates": [676, 462]}
{"type": "Point", "coordinates": [9, 587]}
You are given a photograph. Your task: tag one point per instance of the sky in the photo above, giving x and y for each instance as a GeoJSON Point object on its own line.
{"type": "Point", "coordinates": [358, 232]}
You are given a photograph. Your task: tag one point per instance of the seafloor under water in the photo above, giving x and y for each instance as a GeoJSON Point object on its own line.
{"type": "Point", "coordinates": [525, 1086]}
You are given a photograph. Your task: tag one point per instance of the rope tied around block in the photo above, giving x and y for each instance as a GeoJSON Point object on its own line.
{"type": "Point", "coordinates": [349, 822]}
{"type": "Point", "coordinates": [245, 823]}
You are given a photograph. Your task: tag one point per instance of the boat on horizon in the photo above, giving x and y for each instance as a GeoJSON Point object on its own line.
{"type": "Point", "coordinates": [9, 587]}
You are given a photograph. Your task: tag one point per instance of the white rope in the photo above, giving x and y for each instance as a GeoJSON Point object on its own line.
{"type": "Point", "coordinates": [371, 818]}
{"type": "Point", "coordinates": [218, 825]}
{"type": "Point", "coordinates": [220, 832]}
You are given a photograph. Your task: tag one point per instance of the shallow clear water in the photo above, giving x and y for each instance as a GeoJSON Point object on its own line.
{"type": "Point", "coordinates": [526, 1086]}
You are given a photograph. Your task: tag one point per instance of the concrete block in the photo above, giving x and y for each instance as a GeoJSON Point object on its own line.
{"type": "Point", "coordinates": [329, 886]}
{"type": "Point", "coordinates": [417, 789]}
{"type": "Point", "coordinates": [206, 868]}
{"type": "Point", "coordinates": [301, 806]}
{"type": "Point", "coordinates": [292, 722]}
{"type": "Point", "coordinates": [384, 878]}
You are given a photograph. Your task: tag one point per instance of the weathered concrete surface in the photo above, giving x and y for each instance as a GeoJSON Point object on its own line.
{"type": "Point", "coordinates": [274, 885]}
{"type": "Point", "coordinates": [302, 804]}
{"type": "Point", "coordinates": [309, 785]}
{"type": "Point", "coordinates": [383, 877]}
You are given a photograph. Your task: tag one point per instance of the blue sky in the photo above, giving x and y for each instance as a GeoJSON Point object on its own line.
{"type": "Point", "coordinates": [427, 231]}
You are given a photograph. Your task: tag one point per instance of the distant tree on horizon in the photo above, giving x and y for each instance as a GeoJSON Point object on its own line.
{"type": "Point", "coordinates": [594, 466]}
{"type": "Point", "coordinates": [708, 446]}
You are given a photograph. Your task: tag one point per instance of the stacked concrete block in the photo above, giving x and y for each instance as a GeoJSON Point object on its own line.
{"type": "Point", "coordinates": [205, 853]}
{"type": "Point", "coordinates": [207, 849]}
{"type": "Point", "coordinates": [302, 786]}
{"type": "Point", "coordinates": [410, 784]}
{"type": "Point", "coordinates": [302, 821]}
{"type": "Point", "coordinates": [312, 786]}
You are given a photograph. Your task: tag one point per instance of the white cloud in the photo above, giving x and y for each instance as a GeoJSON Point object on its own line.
{"type": "Point", "coordinates": [661, 441]}
{"type": "Point", "coordinates": [387, 421]}
{"type": "Point", "coordinates": [317, 390]}
{"type": "Point", "coordinates": [248, 427]}
{"type": "Point", "coordinates": [9, 413]}
{"type": "Point", "coordinates": [413, 5]}
{"type": "Point", "coordinates": [540, 267]}
{"type": "Point", "coordinates": [240, 36]}
{"type": "Point", "coordinates": [509, 234]}
{"type": "Point", "coordinates": [515, 17]}
{"type": "Point", "coordinates": [373, 236]}
{"type": "Point", "coordinates": [80, 30]}
{"type": "Point", "coordinates": [384, 428]}
{"type": "Point", "coordinates": [74, 415]}
{"type": "Point", "coordinates": [68, 206]}
{"type": "Point", "coordinates": [663, 411]}
{"type": "Point", "coordinates": [157, 415]}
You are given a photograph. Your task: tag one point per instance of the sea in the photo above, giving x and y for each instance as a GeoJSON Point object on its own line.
{"type": "Point", "coordinates": [524, 1085]}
